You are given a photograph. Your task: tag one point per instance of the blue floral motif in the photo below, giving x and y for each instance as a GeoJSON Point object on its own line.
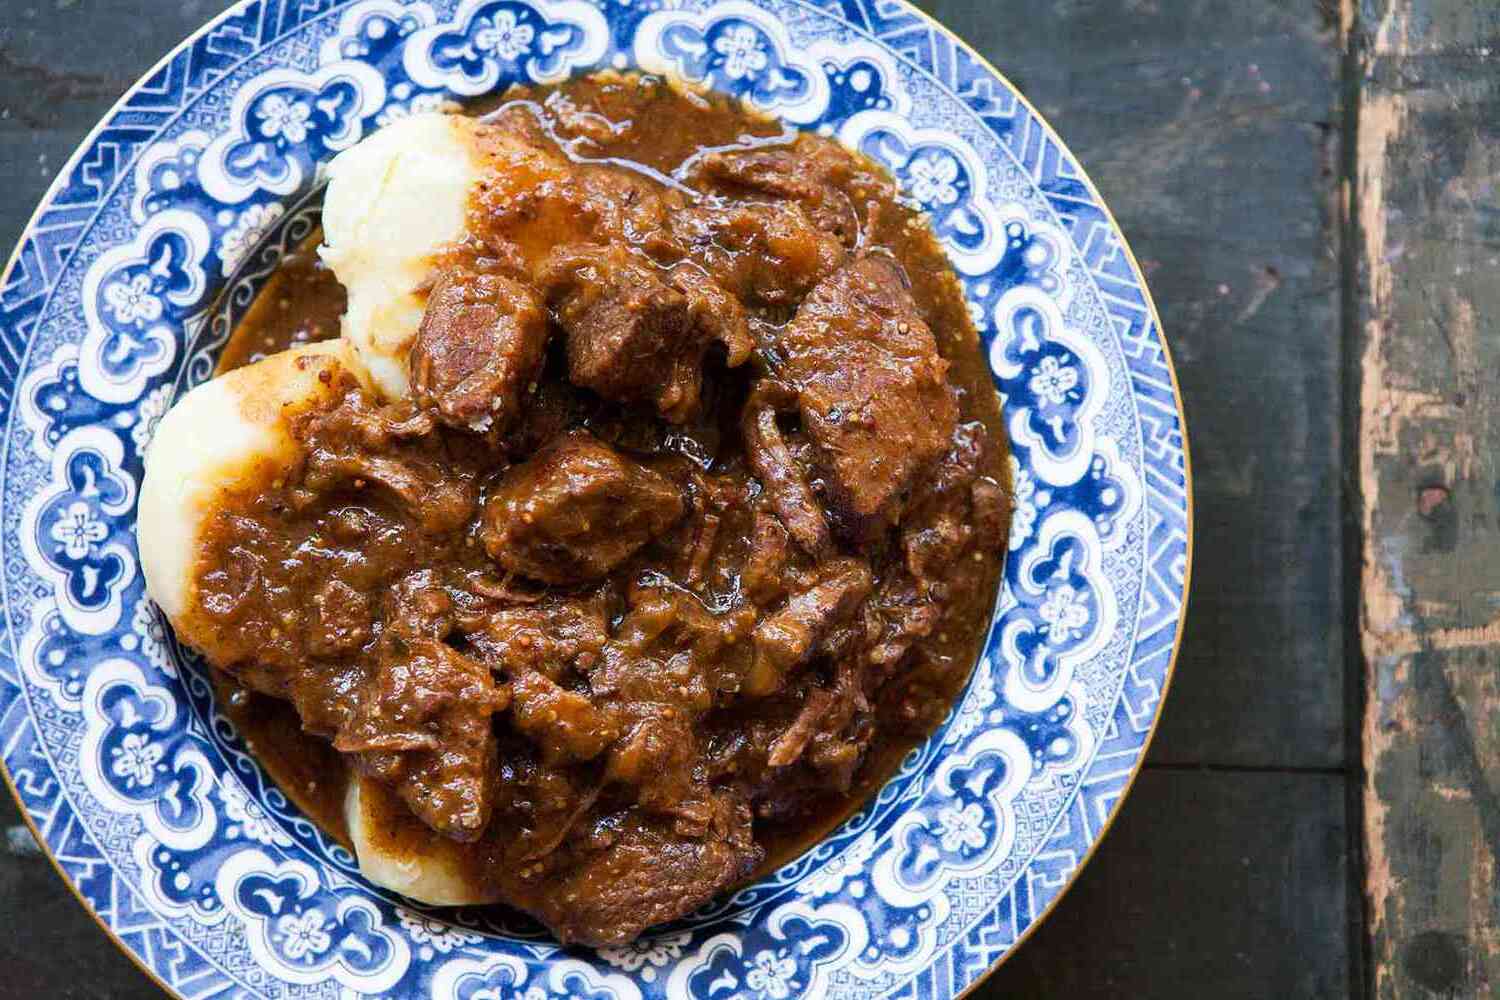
{"type": "Point", "coordinates": [141, 758]}
{"type": "Point", "coordinates": [309, 934]}
{"type": "Point", "coordinates": [735, 56]}
{"type": "Point", "coordinates": [132, 297]}
{"type": "Point", "coordinates": [785, 960]}
{"type": "Point", "coordinates": [943, 176]}
{"type": "Point", "coordinates": [736, 50]}
{"type": "Point", "coordinates": [75, 534]}
{"type": "Point", "coordinates": [492, 43]}
{"type": "Point", "coordinates": [1049, 378]}
{"type": "Point", "coordinates": [957, 830]}
{"type": "Point", "coordinates": [1058, 614]}
{"type": "Point", "coordinates": [285, 125]}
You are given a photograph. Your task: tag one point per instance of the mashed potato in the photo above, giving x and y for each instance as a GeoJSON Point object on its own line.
{"type": "Point", "coordinates": [227, 434]}
{"type": "Point", "coordinates": [394, 201]}
{"type": "Point", "coordinates": [399, 852]}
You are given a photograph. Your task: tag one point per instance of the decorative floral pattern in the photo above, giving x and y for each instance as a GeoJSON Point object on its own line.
{"type": "Point", "coordinates": [248, 230]}
{"type": "Point", "coordinates": [131, 301]}
{"type": "Point", "coordinates": [738, 50]}
{"type": "Point", "coordinates": [77, 530]}
{"type": "Point", "coordinates": [125, 291]}
{"type": "Point", "coordinates": [434, 934]}
{"type": "Point", "coordinates": [944, 176]}
{"type": "Point", "coordinates": [503, 36]}
{"type": "Point", "coordinates": [491, 43]}
{"type": "Point", "coordinates": [285, 124]}
{"type": "Point", "coordinates": [245, 818]}
{"type": "Point", "coordinates": [772, 975]}
{"type": "Point", "coordinates": [302, 936]}
{"type": "Point", "coordinates": [934, 179]}
{"type": "Point", "coordinates": [647, 954]}
{"type": "Point", "coordinates": [73, 531]}
{"type": "Point", "coordinates": [961, 830]}
{"type": "Point", "coordinates": [131, 293]}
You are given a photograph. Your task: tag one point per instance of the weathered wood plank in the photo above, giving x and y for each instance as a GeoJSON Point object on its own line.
{"type": "Point", "coordinates": [62, 65]}
{"type": "Point", "coordinates": [1429, 224]}
{"type": "Point", "coordinates": [1220, 885]}
{"type": "Point", "coordinates": [1206, 125]}
{"type": "Point", "coordinates": [1217, 173]}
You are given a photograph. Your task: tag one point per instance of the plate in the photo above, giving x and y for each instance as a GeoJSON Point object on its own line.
{"type": "Point", "coordinates": [154, 241]}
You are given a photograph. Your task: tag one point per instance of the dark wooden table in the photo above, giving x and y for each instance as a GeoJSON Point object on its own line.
{"type": "Point", "coordinates": [1312, 189]}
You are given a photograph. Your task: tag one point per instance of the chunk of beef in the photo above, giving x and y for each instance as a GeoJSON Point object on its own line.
{"type": "Point", "coordinates": [671, 656]}
{"type": "Point", "coordinates": [356, 445]}
{"type": "Point", "coordinates": [902, 611]}
{"type": "Point", "coordinates": [341, 619]}
{"type": "Point", "coordinates": [992, 510]}
{"type": "Point", "coordinates": [636, 334]}
{"type": "Point", "coordinates": [479, 347]}
{"type": "Point", "coordinates": [552, 636]}
{"type": "Point", "coordinates": [768, 253]}
{"type": "Point", "coordinates": [813, 174]}
{"type": "Point", "coordinates": [575, 510]}
{"type": "Point", "coordinates": [565, 724]}
{"type": "Point", "coordinates": [780, 473]}
{"type": "Point", "coordinates": [763, 575]}
{"type": "Point", "coordinates": [635, 870]}
{"type": "Point", "coordinates": [671, 649]}
{"type": "Point", "coordinates": [789, 638]}
{"type": "Point", "coordinates": [793, 741]}
{"type": "Point", "coordinates": [831, 730]}
{"type": "Point", "coordinates": [715, 312]}
{"type": "Point", "coordinates": [871, 389]}
{"type": "Point", "coordinates": [422, 724]}
{"type": "Point", "coordinates": [555, 407]}
{"type": "Point", "coordinates": [655, 760]}
{"type": "Point", "coordinates": [938, 526]}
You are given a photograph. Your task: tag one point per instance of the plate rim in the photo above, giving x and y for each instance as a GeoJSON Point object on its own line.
{"type": "Point", "coordinates": [65, 170]}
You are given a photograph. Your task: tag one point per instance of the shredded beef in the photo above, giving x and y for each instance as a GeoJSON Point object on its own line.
{"type": "Point", "coordinates": [690, 527]}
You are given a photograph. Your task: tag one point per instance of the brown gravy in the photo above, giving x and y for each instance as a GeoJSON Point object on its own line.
{"type": "Point", "coordinates": [639, 126]}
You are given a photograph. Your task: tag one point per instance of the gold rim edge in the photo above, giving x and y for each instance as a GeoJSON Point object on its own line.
{"type": "Point", "coordinates": [1187, 484]}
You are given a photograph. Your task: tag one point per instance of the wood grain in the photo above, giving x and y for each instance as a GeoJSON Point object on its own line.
{"type": "Point", "coordinates": [1425, 209]}
{"type": "Point", "coordinates": [1225, 899]}
{"type": "Point", "coordinates": [1209, 128]}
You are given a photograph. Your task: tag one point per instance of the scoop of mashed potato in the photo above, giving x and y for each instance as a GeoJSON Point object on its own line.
{"type": "Point", "coordinates": [394, 201]}
{"type": "Point", "coordinates": [226, 435]}
{"type": "Point", "coordinates": [399, 852]}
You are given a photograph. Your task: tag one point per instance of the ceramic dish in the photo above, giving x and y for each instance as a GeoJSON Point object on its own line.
{"type": "Point", "coordinates": [153, 242]}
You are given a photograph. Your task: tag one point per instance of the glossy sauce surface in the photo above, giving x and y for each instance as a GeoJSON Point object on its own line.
{"type": "Point", "coordinates": [645, 156]}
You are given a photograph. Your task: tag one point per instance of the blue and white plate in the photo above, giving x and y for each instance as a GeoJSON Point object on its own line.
{"type": "Point", "coordinates": [153, 242]}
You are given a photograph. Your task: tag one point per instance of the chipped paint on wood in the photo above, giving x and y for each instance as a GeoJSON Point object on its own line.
{"type": "Point", "coordinates": [1428, 214]}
